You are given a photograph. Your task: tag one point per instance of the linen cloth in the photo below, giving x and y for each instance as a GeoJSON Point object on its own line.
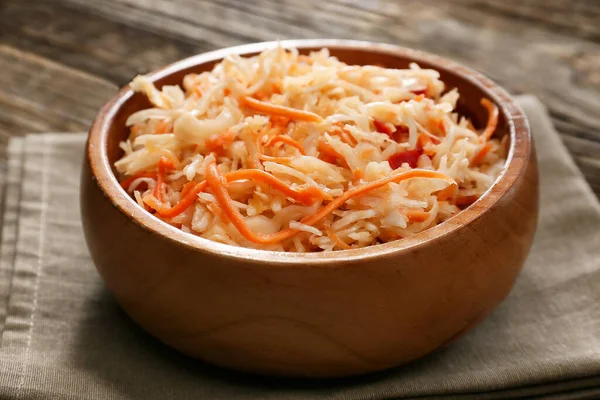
{"type": "Point", "coordinates": [64, 337]}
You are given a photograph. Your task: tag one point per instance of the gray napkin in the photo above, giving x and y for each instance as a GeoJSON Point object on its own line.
{"type": "Point", "coordinates": [65, 338]}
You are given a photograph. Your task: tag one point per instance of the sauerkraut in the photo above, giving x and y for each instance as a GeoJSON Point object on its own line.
{"type": "Point", "coordinates": [304, 153]}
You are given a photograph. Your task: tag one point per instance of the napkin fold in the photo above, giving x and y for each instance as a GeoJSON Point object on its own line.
{"type": "Point", "coordinates": [64, 337]}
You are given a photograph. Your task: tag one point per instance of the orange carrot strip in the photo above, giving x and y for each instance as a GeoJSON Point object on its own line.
{"type": "Point", "coordinates": [163, 165]}
{"type": "Point", "coordinates": [186, 188]}
{"type": "Point", "coordinates": [336, 239]}
{"type": "Point", "coordinates": [217, 184]}
{"type": "Point", "coordinates": [329, 153]}
{"type": "Point", "coordinates": [286, 140]}
{"type": "Point", "coordinates": [280, 160]}
{"type": "Point", "coordinates": [261, 95]}
{"type": "Point", "coordinates": [273, 109]}
{"type": "Point", "coordinates": [306, 196]}
{"type": "Point", "coordinates": [492, 119]}
{"type": "Point", "coordinates": [277, 120]}
{"type": "Point", "coordinates": [417, 215]}
{"type": "Point", "coordinates": [127, 182]}
{"type": "Point", "coordinates": [218, 143]}
{"type": "Point", "coordinates": [185, 202]}
{"type": "Point", "coordinates": [347, 195]}
{"type": "Point", "coordinates": [215, 209]}
{"type": "Point", "coordinates": [481, 154]}
{"type": "Point", "coordinates": [441, 126]}
{"type": "Point", "coordinates": [276, 88]}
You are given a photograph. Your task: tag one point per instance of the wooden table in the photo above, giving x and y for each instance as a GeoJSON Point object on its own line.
{"type": "Point", "coordinates": [60, 60]}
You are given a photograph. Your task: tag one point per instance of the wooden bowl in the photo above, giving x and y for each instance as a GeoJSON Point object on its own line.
{"type": "Point", "coordinates": [324, 314]}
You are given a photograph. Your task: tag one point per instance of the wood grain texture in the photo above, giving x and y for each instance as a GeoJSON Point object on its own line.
{"type": "Point", "coordinates": [550, 48]}
{"type": "Point", "coordinates": [37, 95]}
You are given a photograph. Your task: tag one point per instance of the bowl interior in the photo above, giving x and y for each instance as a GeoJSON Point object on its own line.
{"type": "Point", "coordinates": [468, 103]}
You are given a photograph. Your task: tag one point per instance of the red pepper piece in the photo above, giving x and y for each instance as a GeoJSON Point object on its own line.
{"type": "Point", "coordinates": [399, 134]}
{"type": "Point", "coordinates": [382, 127]}
{"type": "Point", "coordinates": [410, 157]}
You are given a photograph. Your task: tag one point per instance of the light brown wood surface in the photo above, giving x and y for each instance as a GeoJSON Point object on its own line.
{"type": "Point", "coordinates": [62, 59]}
{"type": "Point", "coordinates": [317, 314]}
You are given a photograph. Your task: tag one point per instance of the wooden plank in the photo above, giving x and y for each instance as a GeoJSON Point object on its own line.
{"type": "Point", "coordinates": [88, 41]}
{"type": "Point", "coordinates": [38, 95]}
{"type": "Point", "coordinates": [575, 18]}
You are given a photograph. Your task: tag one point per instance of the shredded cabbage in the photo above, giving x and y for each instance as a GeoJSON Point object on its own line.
{"type": "Point", "coordinates": [304, 153]}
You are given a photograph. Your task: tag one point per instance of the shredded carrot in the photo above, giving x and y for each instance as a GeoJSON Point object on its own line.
{"type": "Point", "coordinates": [481, 154]}
{"type": "Point", "coordinates": [219, 143]}
{"type": "Point", "coordinates": [286, 140]}
{"type": "Point", "coordinates": [184, 203]}
{"type": "Point", "coordinates": [216, 182]}
{"type": "Point", "coordinates": [218, 211]}
{"type": "Point", "coordinates": [492, 119]}
{"type": "Point", "coordinates": [307, 196]}
{"type": "Point", "coordinates": [127, 182]}
{"type": "Point", "coordinates": [347, 195]}
{"type": "Point", "coordinates": [261, 95]}
{"type": "Point", "coordinates": [186, 188]}
{"type": "Point", "coordinates": [279, 120]}
{"type": "Point", "coordinates": [282, 111]}
{"type": "Point", "coordinates": [163, 165]}
{"type": "Point", "coordinates": [348, 138]}
{"type": "Point", "coordinates": [276, 88]}
{"type": "Point", "coordinates": [417, 215]}
{"type": "Point", "coordinates": [336, 239]}
{"type": "Point", "coordinates": [440, 125]}
{"type": "Point", "coordinates": [329, 154]}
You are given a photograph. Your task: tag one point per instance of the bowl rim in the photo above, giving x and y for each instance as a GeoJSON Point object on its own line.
{"type": "Point", "coordinates": [516, 163]}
